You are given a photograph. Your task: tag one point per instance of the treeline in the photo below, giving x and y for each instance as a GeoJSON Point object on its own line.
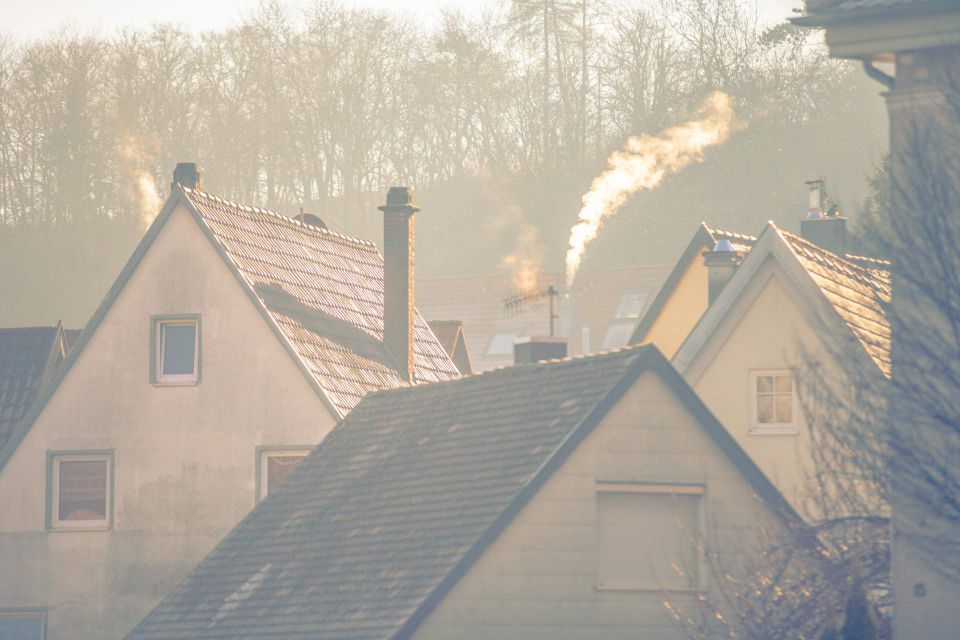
{"type": "Point", "coordinates": [498, 121]}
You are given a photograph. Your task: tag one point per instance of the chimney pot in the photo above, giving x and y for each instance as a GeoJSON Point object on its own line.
{"type": "Point", "coordinates": [187, 174]}
{"type": "Point", "coordinates": [827, 230]}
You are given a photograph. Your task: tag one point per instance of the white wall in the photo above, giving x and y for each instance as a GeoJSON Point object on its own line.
{"type": "Point", "coordinates": [184, 456]}
{"type": "Point", "coordinates": [538, 580]}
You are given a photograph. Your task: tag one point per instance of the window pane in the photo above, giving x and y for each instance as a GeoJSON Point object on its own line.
{"type": "Point", "coordinates": [179, 341]}
{"type": "Point", "coordinates": [785, 408]}
{"type": "Point", "coordinates": [764, 383]}
{"type": "Point", "coordinates": [630, 305]}
{"type": "Point", "coordinates": [279, 467]}
{"type": "Point", "coordinates": [765, 414]}
{"type": "Point", "coordinates": [785, 383]}
{"type": "Point", "coordinates": [647, 540]}
{"type": "Point", "coordinates": [27, 626]}
{"type": "Point", "coordinates": [617, 335]}
{"type": "Point", "coordinates": [83, 490]}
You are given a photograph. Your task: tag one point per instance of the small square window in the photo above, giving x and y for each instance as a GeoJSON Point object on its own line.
{"type": "Point", "coordinates": [177, 351]}
{"type": "Point", "coordinates": [80, 490]}
{"type": "Point", "coordinates": [772, 402]}
{"type": "Point", "coordinates": [23, 624]}
{"type": "Point", "coordinates": [275, 465]}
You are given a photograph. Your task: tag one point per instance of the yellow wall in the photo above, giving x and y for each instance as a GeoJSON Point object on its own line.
{"type": "Point", "coordinates": [765, 329]}
{"type": "Point", "coordinates": [683, 308]}
{"type": "Point", "coordinates": [539, 579]}
{"type": "Point", "coordinates": [184, 456]}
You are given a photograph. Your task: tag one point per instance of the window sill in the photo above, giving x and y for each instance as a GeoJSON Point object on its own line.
{"type": "Point", "coordinates": [773, 430]}
{"type": "Point", "coordinates": [79, 528]}
{"type": "Point", "coordinates": [639, 588]}
{"type": "Point", "coordinates": [176, 383]}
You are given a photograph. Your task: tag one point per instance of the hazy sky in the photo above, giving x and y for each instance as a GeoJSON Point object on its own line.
{"type": "Point", "coordinates": [26, 19]}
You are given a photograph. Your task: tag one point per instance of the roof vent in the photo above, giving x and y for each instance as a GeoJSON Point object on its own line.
{"type": "Point", "coordinates": [310, 219]}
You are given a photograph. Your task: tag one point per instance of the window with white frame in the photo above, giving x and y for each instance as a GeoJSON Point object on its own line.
{"type": "Point", "coordinates": [177, 350]}
{"type": "Point", "coordinates": [648, 537]}
{"type": "Point", "coordinates": [275, 465]}
{"type": "Point", "coordinates": [23, 624]}
{"type": "Point", "coordinates": [773, 401]}
{"type": "Point", "coordinates": [81, 490]}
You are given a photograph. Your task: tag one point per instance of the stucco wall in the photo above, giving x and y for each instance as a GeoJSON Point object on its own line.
{"type": "Point", "coordinates": [539, 578]}
{"type": "Point", "coordinates": [184, 456]}
{"type": "Point", "coordinates": [765, 329]}
{"type": "Point", "coordinates": [683, 309]}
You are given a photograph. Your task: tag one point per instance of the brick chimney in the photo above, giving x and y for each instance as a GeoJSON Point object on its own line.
{"type": "Point", "coordinates": [823, 225]}
{"type": "Point", "coordinates": [187, 174]}
{"type": "Point", "coordinates": [398, 274]}
{"type": "Point", "coordinates": [538, 349]}
{"type": "Point", "coordinates": [721, 264]}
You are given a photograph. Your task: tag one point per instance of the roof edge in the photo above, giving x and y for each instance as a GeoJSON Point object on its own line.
{"type": "Point", "coordinates": [702, 235]}
{"type": "Point", "coordinates": [24, 426]}
{"type": "Point", "coordinates": [649, 359]}
{"type": "Point", "coordinates": [822, 19]}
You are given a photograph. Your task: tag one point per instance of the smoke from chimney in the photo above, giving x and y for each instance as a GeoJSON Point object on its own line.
{"type": "Point", "coordinates": [642, 164]}
{"type": "Point", "coordinates": [142, 188]}
{"type": "Point", "coordinates": [525, 260]}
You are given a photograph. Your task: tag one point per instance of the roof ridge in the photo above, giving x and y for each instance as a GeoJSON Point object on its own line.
{"type": "Point", "coordinates": [732, 234]}
{"type": "Point", "coordinates": [825, 252]}
{"type": "Point", "coordinates": [286, 219]}
{"type": "Point", "coordinates": [519, 368]}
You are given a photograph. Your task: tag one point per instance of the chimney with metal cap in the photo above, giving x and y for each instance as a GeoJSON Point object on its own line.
{"type": "Point", "coordinates": [187, 174]}
{"type": "Point", "coordinates": [823, 224]}
{"type": "Point", "coordinates": [398, 276]}
{"type": "Point", "coordinates": [721, 264]}
{"type": "Point", "coordinates": [538, 348]}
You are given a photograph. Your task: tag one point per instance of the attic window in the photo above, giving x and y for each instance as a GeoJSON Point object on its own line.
{"type": "Point", "coordinates": [275, 465]}
{"type": "Point", "coordinates": [630, 305]}
{"type": "Point", "coordinates": [773, 401]}
{"type": "Point", "coordinates": [80, 490]}
{"type": "Point", "coordinates": [618, 334]}
{"type": "Point", "coordinates": [176, 350]}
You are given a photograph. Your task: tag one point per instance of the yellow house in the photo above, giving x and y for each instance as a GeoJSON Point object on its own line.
{"type": "Point", "coordinates": [230, 345]}
{"type": "Point", "coordinates": [763, 315]}
{"type": "Point", "coordinates": [568, 499]}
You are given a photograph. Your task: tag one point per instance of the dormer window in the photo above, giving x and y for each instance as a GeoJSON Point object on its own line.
{"type": "Point", "coordinates": [773, 401]}
{"type": "Point", "coordinates": [176, 350]}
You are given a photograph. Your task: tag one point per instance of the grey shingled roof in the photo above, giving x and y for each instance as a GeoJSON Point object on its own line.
{"type": "Point", "coordinates": [325, 292]}
{"type": "Point", "coordinates": [27, 358]}
{"type": "Point", "coordinates": [381, 520]}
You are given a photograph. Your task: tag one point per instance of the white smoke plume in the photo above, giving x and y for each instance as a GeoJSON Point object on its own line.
{"type": "Point", "coordinates": [642, 164]}
{"type": "Point", "coordinates": [140, 185]}
{"type": "Point", "coordinates": [525, 260]}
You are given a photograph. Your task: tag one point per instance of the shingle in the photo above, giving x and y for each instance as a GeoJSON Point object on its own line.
{"type": "Point", "coordinates": [378, 515]}
{"type": "Point", "coordinates": [325, 292]}
{"type": "Point", "coordinates": [858, 288]}
{"type": "Point", "coordinates": [24, 369]}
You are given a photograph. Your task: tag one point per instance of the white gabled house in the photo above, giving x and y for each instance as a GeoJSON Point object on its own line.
{"type": "Point", "coordinates": [232, 342]}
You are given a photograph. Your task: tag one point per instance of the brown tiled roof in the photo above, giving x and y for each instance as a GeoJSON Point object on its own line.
{"type": "Point", "coordinates": [27, 356]}
{"type": "Point", "coordinates": [386, 514]}
{"type": "Point", "coordinates": [741, 242]}
{"type": "Point", "coordinates": [859, 290]}
{"type": "Point", "coordinates": [325, 292]}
